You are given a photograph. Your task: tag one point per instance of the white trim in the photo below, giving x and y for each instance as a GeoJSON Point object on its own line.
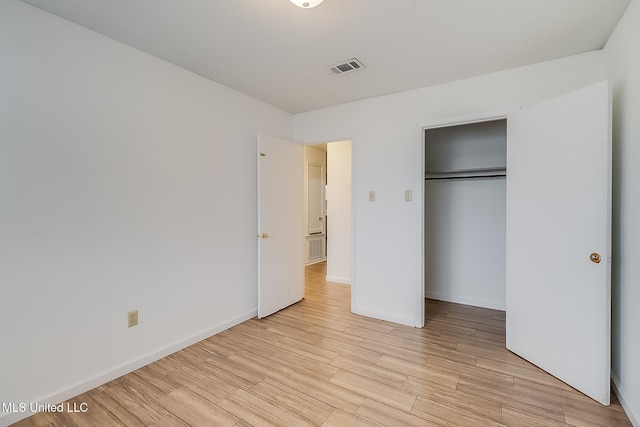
{"type": "Point", "coordinates": [467, 301]}
{"type": "Point", "coordinates": [615, 384]}
{"type": "Point", "coordinates": [259, 231]}
{"type": "Point", "coordinates": [315, 261]}
{"type": "Point", "coordinates": [385, 316]}
{"type": "Point", "coordinates": [337, 137]}
{"type": "Point", "coordinates": [423, 207]}
{"type": "Point", "coordinates": [336, 279]}
{"type": "Point", "coordinates": [105, 377]}
{"type": "Point", "coordinates": [461, 120]}
{"type": "Point", "coordinates": [354, 207]}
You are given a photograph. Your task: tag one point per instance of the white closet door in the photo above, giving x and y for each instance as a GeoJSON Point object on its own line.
{"type": "Point", "coordinates": [280, 224]}
{"type": "Point", "coordinates": [558, 224]}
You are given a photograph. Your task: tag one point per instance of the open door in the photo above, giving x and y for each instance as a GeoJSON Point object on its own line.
{"type": "Point", "coordinates": [280, 224]}
{"type": "Point", "coordinates": [558, 238]}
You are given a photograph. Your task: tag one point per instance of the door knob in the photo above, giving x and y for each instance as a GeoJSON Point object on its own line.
{"type": "Point", "coordinates": [264, 235]}
{"type": "Point", "coordinates": [595, 258]}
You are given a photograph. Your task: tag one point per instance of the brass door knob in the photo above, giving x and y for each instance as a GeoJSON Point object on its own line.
{"type": "Point", "coordinates": [264, 235]}
{"type": "Point", "coordinates": [595, 258]}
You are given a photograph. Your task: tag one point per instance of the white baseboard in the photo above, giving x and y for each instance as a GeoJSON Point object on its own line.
{"type": "Point", "coordinates": [105, 377]}
{"type": "Point", "coordinates": [467, 301]}
{"type": "Point", "coordinates": [315, 261]}
{"type": "Point", "coordinates": [385, 316]}
{"type": "Point", "coordinates": [336, 279]}
{"type": "Point", "coordinates": [625, 405]}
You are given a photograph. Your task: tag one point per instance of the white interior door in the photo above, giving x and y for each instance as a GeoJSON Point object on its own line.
{"type": "Point", "coordinates": [315, 196]}
{"type": "Point", "coordinates": [280, 224]}
{"type": "Point", "coordinates": [558, 215]}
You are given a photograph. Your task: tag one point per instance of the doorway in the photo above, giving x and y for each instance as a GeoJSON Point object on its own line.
{"type": "Point", "coordinates": [558, 204]}
{"type": "Point", "coordinates": [328, 208]}
{"type": "Point", "coordinates": [465, 213]}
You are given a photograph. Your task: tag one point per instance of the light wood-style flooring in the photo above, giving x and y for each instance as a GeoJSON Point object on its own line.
{"type": "Point", "coordinates": [315, 363]}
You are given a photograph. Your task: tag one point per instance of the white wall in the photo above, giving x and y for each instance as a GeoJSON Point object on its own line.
{"type": "Point", "coordinates": [339, 212]}
{"type": "Point", "coordinates": [623, 60]}
{"type": "Point", "coordinates": [125, 183]}
{"type": "Point", "coordinates": [387, 157]}
{"type": "Point", "coordinates": [465, 241]}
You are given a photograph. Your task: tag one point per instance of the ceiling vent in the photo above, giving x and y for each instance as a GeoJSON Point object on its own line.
{"type": "Point", "coordinates": [347, 66]}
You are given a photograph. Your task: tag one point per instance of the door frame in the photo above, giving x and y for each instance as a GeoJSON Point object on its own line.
{"type": "Point", "coordinates": [433, 124]}
{"type": "Point", "coordinates": [481, 117]}
{"type": "Point", "coordinates": [329, 140]}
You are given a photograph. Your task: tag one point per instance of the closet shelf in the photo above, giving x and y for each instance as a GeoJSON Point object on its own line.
{"type": "Point", "coordinates": [495, 172]}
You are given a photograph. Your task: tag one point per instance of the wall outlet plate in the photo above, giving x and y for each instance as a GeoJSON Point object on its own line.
{"type": "Point", "coordinates": [132, 318]}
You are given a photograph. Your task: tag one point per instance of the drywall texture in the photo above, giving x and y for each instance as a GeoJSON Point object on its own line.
{"type": "Point", "coordinates": [125, 183]}
{"type": "Point", "coordinates": [623, 60]}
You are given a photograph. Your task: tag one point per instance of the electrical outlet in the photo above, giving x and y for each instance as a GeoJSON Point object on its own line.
{"type": "Point", "coordinates": [132, 317]}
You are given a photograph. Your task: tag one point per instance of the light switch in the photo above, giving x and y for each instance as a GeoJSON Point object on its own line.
{"type": "Point", "coordinates": [372, 196]}
{"type": "Point", "coordinates": [408, 195]}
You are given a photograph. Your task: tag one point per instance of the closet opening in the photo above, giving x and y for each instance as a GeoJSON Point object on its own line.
{"type": "Point", "coordinates": [465, 213]}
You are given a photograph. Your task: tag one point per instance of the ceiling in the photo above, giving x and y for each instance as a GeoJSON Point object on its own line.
{"type": "Point", "coordinates": [280, 54]}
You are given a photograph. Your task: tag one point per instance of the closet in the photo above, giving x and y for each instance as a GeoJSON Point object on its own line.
{"type": "Point", "coordinates": [465, 213]}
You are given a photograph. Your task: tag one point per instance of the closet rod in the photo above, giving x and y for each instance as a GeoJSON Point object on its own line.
{"type": "Point", "coordinates": [502, 175]}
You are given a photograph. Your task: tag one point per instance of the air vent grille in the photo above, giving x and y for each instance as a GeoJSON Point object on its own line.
{"type": "Point", "coordinates": [347, 66]}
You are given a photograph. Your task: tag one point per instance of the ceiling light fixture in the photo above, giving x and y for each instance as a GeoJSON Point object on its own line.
{"type": "Point", "coordinates": [306, 4]}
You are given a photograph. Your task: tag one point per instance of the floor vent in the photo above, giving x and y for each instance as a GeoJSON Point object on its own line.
{"type": "Point", "coordinates": [315, 248]}
{"type": "Point", "coordinates": [347, 66]}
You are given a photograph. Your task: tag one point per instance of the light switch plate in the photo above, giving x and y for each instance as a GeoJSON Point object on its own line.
{"type": "Point", "coordinates": [408, 195]}
{"type": "Point", "coordinates": [372, 196]}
